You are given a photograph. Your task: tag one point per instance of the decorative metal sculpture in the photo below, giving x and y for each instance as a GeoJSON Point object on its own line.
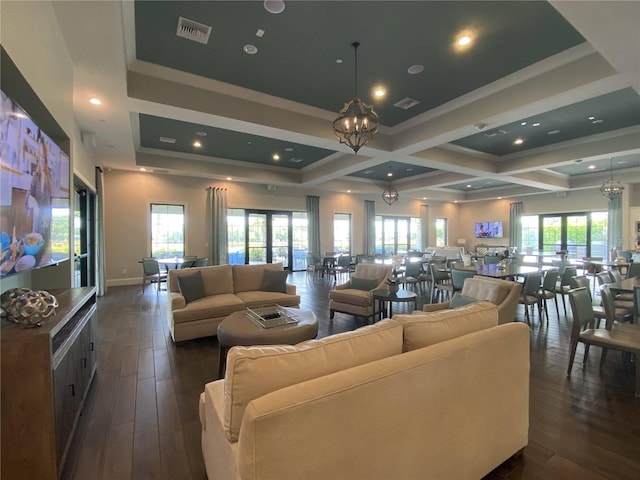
{"type": "Point", "coordinates": [27, 307]}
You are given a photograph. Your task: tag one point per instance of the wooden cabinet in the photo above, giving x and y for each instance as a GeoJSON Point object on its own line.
{"type": "Point", "coordinates": [46, 373]}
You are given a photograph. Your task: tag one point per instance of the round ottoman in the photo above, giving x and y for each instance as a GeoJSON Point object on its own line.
{"type": "Point", "coordinates": [239, 330]}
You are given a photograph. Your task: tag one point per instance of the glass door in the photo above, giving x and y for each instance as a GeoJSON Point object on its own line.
{"type": "Point", "coordinates": [551, 232]}
{"type": "Point", "coordinates": [577, 234]}
{"type": "Point", "coordinates": [83, 237]}
{"type": "Point", "coordinates": [269, 237]}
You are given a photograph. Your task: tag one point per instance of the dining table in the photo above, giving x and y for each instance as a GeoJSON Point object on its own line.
{"type": "Point", "coordinates": [169, 263]}
{"type": "Point", "coordinates": [507, 271]}
{"type": "Point", "coordinates": [625, 286]}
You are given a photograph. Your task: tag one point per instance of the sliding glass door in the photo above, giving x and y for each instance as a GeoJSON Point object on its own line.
{"type": "Point", "coordinates": [269, 237]}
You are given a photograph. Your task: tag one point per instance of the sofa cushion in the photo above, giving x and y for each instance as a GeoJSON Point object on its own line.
{"type": "Point", "coordinates": [275, 281]}
{"type": "Point", "coordinates": [247, 278]}
{"type": "Point", "coordinates": [256, 299]}
{"type": "Point", "coordinates": [363, 283]}
{"type": "Point", "coordinates": [255, 371]}
{"type": "Point", "coordinates": [212, 306]}
{"type": "Point", "coordinates": [217, 279]}
{"type": "Point", "coordinates": [191, 286]}
{"type": "Point", "coordinates": [459, 300]}
{"type": "Point", "coordinates": [430, 328]}
{"type": "Point", "coordinates": [352, 296]}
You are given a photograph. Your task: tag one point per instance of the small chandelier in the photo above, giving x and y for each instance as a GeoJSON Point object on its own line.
{"type": "Point", "coordinates": [611, 188]}
{"type": "Point", "coordinates": [357, 122]}
{"type": "Point", "coordinates": [390, 195]}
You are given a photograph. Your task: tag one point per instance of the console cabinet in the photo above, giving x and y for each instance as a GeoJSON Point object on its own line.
{"type": "Point", "coordinates": [46, 374]}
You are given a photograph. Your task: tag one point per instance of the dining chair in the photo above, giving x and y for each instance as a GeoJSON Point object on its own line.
{"type": "Point", "coordinates": [616, 275]}
{"type": "Point", "coordinates": [188, 261]}
{"type": "Point", "coordinates": [591, 270]}
{"type": "Point", "coordinates": [201, 262]}
{"type": "Point", "coordinates": [413, 275]}
{"type": "Point", "coordinates": [548, 290]}
{"type": "Point", "coordinates": [341, 267]}
{"type": "Point", "coordinates": [633, 270]}
{"type": "Point", "coordinates": [458, 277]}
{"type": "Point", "coordinates": [614, 313]}
{"type": "Point", "coordinates": [564, 286]}
{"type": "Point", "coordinates": [492, 259]}
{"type": "Point", "coordinates": [441, 285]}
{"type": "Point", "coordinates": [529, 295]}
{"type": "Point", "coordinates": [580, 281]}
{"type": "Point", "coordinates": [151, 273]}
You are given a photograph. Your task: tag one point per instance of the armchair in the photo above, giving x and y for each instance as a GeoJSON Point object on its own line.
{"type": "Point", "coordinates": [503, 293]}
{"type": "Point", "coordinates": [354, 301]}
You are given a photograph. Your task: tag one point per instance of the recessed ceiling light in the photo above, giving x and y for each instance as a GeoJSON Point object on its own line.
{"type": "Point", "coordinates": [537, 124]}
{"type": "Point", "coordinates": [250, 49]}
{"type": "Point", "coordinates": [424, 198]}
{"type": "Point", "coordinates": [379, 92]}
{"type": "Point", "coordinates": [591, 167]}
{"type": "Point", "coordinates": [95, 101]}
{"type": "Point", "coordinates": [523, 123]}
{"type": "Point", "coordinates": [249, 142]}
{"type": "Point", "coordinates": [338, 61]}
{"type": "Point", "coordinates": [415, 69]}
{"type": "Point", "coordinates": [595, 122]}
{"type": "Point", "coordinates": [142, 169]}
{"type": "Point", "coordinates": [592, 118]}
{"type": "Point", "coordinates": [469, 186]}
{"type": "Point", "coordinates": [274, 6]}
{"type": "Point", "coordinates": [499, 198]}
{"type": "Point", "coordinates": [518, 141]}
{"type": "Point", "coordinates": [464, 39]}
{"type": "Point", "coordinates": [455, 201]}
{"type": "Point", "coordinates": [197, 144]}
{"type": "Point", "coordinates": [276, 156]}
{"type": "Point", "coordinates": [229, 178]}
{"type": "Point", "coordinates": [201, 134]}
{"type": "Point", "coordinates": [553, 132]}
{"type": "Point", "coordinates": [390, 174]}
{"type": "Point", "coordinates": [348, 191]}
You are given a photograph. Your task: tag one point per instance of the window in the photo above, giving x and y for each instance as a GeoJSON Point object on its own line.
{"type": "Point", "coordinates": [441, 232]}
{"type": "Point", "coordinates": [235, 235]}
{"type": "Point", "coordinates": [342, 233]}
{"type": "Point", "coordinates": [167, 230]}
{"type": "Point", "coordinates": [529, 233]}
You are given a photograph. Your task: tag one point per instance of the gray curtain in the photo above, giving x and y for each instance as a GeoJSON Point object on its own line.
{"type": "Point", "coordinates": [424, 226]}
{"type": "Point", "coordinates": [313, 219]}
{"type": "Point", "coordinates": [217, 225]}
{"type": "Point", "coordinates": [614, 225]}
{"type": "Point", "coordinates": [515, 225]}
{"type": "Point", "coordinates": [369, 227]}
{"type": "Point", "coordinates": [101, 274]}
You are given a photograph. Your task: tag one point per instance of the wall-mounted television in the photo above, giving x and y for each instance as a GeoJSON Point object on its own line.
{"type": "Point", "coordinates": [34, 194]}
{"type": "Point", "coordinates": [489, 230]}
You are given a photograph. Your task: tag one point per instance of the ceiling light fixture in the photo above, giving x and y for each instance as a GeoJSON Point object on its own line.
{"type": "Point", "coordinates": [197, 144]}
{"type": "Point", "coordinates": [357, 122]}
{"type": "Point", "coordinates": [274, 6]}
{"type": "Point", "coordinates": [390, 195]}
{"type": "Point", "coordinates": [95, 101]}
{"type": "Point", "coordinates": [611, 188]}
{"type": "Point", "coordinates": [518, 141]}
{"type": "Point", "coordinates": [276, 156]}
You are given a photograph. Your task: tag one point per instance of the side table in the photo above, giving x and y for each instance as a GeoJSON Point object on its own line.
{"type": "Point", "coordinates": [386, 299]}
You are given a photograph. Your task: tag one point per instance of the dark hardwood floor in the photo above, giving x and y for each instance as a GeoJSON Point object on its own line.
{"type": "Point", "coordinates": [141, 419]}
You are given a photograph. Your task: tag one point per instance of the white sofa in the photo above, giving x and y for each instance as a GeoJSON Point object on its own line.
{"type": "Point", "coordinates": [437, 395]}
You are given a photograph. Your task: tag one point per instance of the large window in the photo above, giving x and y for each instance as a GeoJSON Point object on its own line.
{"type": "Point", "coordinates": [397, 235]}
{"type": "Point", "coordinates": [167, 230]}
{"type": "Point", "coordinates": [342, 233]}
{"type": "Point", "coordinates": [441, 232]}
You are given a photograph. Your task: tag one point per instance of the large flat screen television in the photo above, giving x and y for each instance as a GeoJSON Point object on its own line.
{"type": "Point", "coordinates": [489, 230]}
{"type": "Point", "coordinates": [34, 194]}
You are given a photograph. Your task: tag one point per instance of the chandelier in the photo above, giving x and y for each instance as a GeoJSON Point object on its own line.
{"type": "Point", "coordinates": [611, 188]}
{"type": "Point", "coordinates": [357, 122]}
{"type": "Point", "coordinates": [390, 195]}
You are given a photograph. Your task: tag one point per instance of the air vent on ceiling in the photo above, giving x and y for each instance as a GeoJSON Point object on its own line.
{"type": "Point", "coordinates": [493, 133]}
{"type": "Point", "coordinates": [167, 140]}
{"type": "Point", "coordinates": [406, 103]}
{"type": "Point", "coordinates": [191, 30]}
{"type": "Point", "coordinates": [295, 160]}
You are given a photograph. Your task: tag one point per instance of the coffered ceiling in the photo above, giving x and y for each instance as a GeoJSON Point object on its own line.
{"type": "Point", "coordinates": [542, 92]}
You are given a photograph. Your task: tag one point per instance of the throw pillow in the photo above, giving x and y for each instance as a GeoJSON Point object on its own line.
{"type": "Point", "coordinates": [191, 286]}
{"type": "Point", "coordinates": [363, 283]}
{"type": "Point", "coordinates": [459, 300]}
{"type": "Point", "coordinates": [275, 281]}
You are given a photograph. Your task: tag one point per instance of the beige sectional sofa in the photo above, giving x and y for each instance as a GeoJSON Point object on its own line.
{"type": "Point", "coordinates": [503, 293]}
{"type": "Point", "coordinates": [227, 289]}
{"type": "Point", "coordinates": [423, 396]}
